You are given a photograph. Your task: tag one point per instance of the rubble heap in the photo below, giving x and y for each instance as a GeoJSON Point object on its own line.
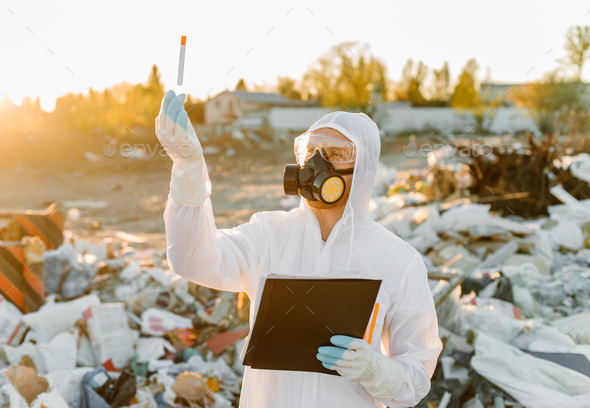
{"type": "Point", "coordinates": [512, 294]}
{"type": "Point", "coordinates": [119, 328]}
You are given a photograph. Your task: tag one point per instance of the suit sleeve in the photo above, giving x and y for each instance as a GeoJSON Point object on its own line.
{"type": "Point", "coordinates": [410, 335]}
{"type": "Point", "coordinates": [197, 250]}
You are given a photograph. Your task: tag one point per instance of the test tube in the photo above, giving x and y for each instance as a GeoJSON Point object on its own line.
{"type": "Point", "coordinates": [181, 60]}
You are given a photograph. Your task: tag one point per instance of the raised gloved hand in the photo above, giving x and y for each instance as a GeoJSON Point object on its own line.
{"type": "Point", "coordinates": [190, 184]}
{"type": "Point", "coordinates": [355, 360]}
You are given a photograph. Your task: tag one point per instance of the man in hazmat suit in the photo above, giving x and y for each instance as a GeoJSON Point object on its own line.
{"type": "Point", "coordinates": [329, 232]}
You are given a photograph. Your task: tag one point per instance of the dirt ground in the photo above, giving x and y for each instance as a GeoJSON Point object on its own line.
{"type": "Point", "coordinates": [135, 190]}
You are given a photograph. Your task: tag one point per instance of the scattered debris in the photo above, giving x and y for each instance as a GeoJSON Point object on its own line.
{"type": "Point", "coordinates": [507, 288]}
{"type": "Point", "coordinates": [26, 381]}
{"type": "Point", "coordinates": [118, 328]}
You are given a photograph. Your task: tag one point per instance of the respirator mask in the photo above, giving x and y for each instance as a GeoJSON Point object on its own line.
{"type": "Point", "coordinates": [314, 176]}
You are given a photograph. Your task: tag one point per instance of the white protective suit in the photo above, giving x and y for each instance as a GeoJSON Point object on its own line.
{"type": "Point", "coordinates": [290, 243]}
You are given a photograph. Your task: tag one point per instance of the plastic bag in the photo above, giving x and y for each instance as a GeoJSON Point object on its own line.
{"type": "Point", "coordinates": [532, 381]}
{"type": "Point", "coordinates": [87, 398]}
{"type": "Point", "coordinates": [158, 322]}
{"type": "Point", "coordinates": [119, 392]}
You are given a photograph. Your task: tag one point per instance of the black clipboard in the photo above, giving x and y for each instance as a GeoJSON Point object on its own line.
{"type": "Point", "coordinates": [296, 316]}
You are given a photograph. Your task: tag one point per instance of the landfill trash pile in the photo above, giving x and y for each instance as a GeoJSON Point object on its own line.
{"type": "Point", "coordinates": [240, 137]}
{"type": "Point", "coordinates": [527, 171]}
{"type": "Point", "coordinates": [119, 328]}
{"type": "Point", "coordinates": [514, 315]}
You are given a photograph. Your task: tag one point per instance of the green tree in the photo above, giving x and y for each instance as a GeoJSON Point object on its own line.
{"type": "Point", "coordinates": [441, 84]}
{"type": "Point", "coordinates": [195, 109]}
{"type": "Point", "coordinates": [137, 105]}
{"type": "Point", "coordinates": [557, 103]}
{"type": "Point", "coordinates": [410, 86]}
{"type": "Point", "coordinates": [288, 88]}
{"type": "Point", "coordinates": [577, 48]}
{"type": "Point", "coordinates": [154, 82]}
{"type": "Point", "coordinates": [241, 85]}
{"type": "Point", "coordinates": [347, 77]}
{"type": "Point", "coordinates": [465, 94]}
{"type": "Point", "coordinates": [153, 92]}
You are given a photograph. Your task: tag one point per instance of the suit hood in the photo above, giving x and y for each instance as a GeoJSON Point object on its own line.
{"type": "Point", "coordinates": [363, 132]}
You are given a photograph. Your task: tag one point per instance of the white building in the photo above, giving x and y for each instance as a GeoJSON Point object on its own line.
{"type": "Point", "coordinates": [403, 118]}
{"type": "Point", "coordinates": [229, 106]}
{"type": "Point", "coordinates": [497, 93]}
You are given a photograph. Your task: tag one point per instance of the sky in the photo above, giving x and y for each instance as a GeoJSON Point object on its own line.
{"type": "Point", "coordinates": [51, 48]}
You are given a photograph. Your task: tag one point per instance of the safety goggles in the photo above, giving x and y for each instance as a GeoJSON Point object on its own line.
{"type": "Point", "coordinates": [331, 148]}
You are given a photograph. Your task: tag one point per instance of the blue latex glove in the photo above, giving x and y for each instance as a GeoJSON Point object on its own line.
{"type": "Point", "coordinates": [355, 360]}
{"type": "Point", "coordinates": [190, 184]}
